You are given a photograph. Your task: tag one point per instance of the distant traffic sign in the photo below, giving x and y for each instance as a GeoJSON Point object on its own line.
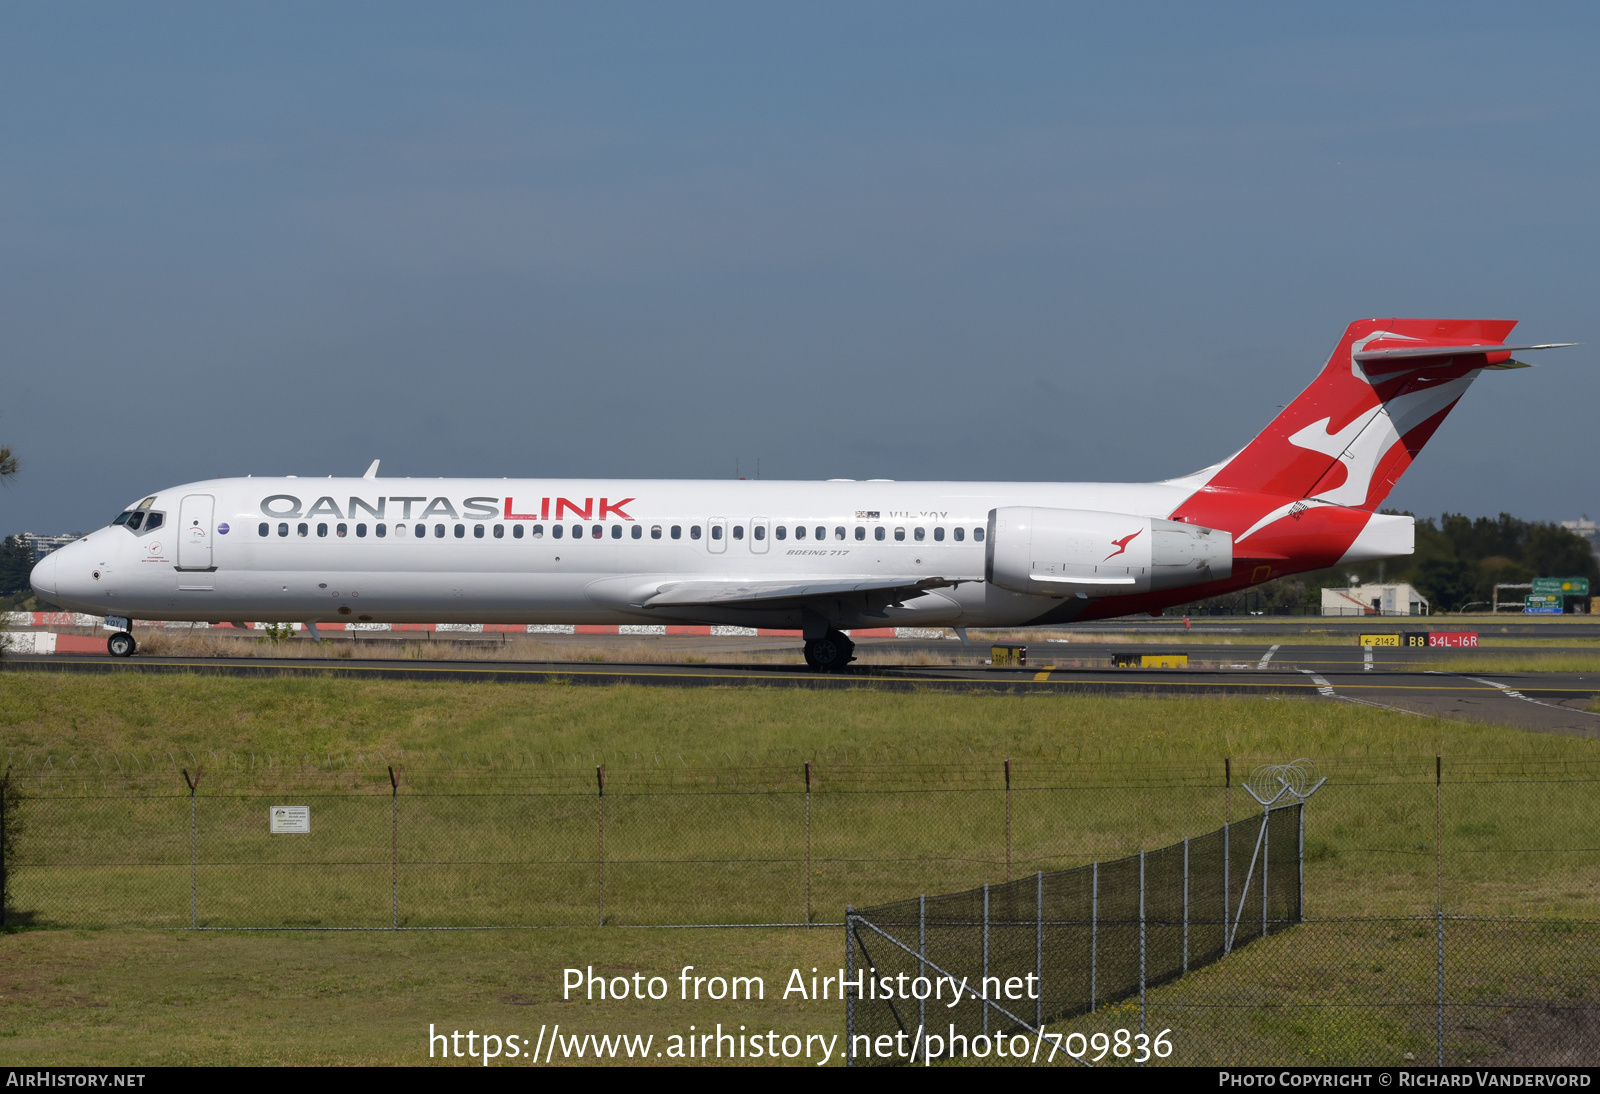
{"type": "Point", "coordinates": [1543, 604]}
{"type": "Point", "coordinates": [1560, 586]}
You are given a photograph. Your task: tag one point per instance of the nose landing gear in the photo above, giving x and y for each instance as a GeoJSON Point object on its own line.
{"type": "Point", "coordinates": [830, 653]}
{"type": "Point", "coordinates": [121, 644]}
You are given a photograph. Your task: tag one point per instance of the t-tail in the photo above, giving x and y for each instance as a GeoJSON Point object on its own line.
{"type": "Point", "coordinates": [1304, 493]}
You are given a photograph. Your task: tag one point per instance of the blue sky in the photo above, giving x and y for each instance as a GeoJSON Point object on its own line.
{"type": "Point", "coordinates": [856, 240]}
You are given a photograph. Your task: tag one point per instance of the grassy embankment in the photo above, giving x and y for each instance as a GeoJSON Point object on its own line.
{"type": "Point", "coordinates": [1094, 777]}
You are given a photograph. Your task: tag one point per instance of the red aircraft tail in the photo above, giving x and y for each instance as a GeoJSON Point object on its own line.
{"type": "Point", "coordinates": [1347, 438]}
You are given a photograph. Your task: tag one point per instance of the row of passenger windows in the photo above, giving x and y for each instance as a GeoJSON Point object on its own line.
{"type": "Point", "coordinates": [598, 531]}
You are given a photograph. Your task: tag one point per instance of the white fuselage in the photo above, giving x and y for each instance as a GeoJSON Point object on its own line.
{"type": "Point", "coordinates": [556, 551]}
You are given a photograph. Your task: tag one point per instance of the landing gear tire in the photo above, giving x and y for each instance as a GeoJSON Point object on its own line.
{"type": "Point", "coordinates": [830, 653]}
{"type": "Point", "coordinates": [121, 644]}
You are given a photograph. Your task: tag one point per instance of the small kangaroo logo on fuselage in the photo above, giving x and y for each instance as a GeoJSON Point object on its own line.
{"type": "Point", "coordinates": [1122, 545]}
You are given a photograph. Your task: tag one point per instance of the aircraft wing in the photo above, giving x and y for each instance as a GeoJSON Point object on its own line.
{"type": "Point", "coordinates": [733, 593]}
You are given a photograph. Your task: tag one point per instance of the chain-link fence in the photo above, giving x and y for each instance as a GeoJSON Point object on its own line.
{"type": "Point", "coordinates": [152, 841]}
{"type": "Point", "coordinates": [103, 841]}
{"type": "Point", "coordinates": [1057, 945]}
{"type": "Point", "coordinates": [1151, 974]}
{"type": "Point", "coordinates": [1430, 910]}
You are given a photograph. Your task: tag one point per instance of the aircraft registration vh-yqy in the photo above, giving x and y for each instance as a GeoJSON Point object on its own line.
{"type": "Point", "coordinates": [818, 557]}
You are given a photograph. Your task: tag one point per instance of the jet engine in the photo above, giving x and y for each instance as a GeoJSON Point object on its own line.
{"type": "Point", "coordinates": [1067, 552]}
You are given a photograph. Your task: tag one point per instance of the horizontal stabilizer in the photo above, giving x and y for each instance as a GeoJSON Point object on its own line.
{"type": "Point", "coordinates": [1447, 351]}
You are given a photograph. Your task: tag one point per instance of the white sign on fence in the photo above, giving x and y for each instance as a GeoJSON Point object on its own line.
{"type": "Point", "coordinates": [285, 820]}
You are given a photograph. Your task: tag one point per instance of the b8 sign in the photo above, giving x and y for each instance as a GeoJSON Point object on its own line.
{"type": "Point", "coordinates": [1453, 639]}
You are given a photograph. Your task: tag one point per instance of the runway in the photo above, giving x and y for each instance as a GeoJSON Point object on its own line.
{"type": "Point", "coordinates": [1390, 678]}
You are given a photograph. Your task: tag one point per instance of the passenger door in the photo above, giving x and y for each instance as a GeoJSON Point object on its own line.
{"type": "Point", "coordinates": [195, 532]}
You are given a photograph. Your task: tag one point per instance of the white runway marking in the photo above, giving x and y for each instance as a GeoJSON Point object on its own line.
{"type": "Point", "coordinates": [1366, 660]}
{"type": "Point", "coordinates": [1323, 687]}
{"type": "Point", "coordinates": [1513, 693]}
{"type": "Point", "coordinates": [1326, 689]}
{"type": "Point", "coordinates": [1268, 655]}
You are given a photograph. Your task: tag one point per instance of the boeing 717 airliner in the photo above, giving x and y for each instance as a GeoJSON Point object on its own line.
{"type": "Point", "coordinates": [818, 557]}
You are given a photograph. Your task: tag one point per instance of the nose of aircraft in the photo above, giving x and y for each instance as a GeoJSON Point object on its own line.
{"type": "Point", "coordinates": [43, 578]}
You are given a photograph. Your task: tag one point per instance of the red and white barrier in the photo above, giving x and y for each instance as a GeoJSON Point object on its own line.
{"type": "Point", "coordinates": [639, 630]}
{"type": "Point", "coordinates": [37, 642]}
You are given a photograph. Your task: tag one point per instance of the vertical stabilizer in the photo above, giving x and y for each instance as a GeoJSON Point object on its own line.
{"type": "Point", "coordinates": [1349, 436]}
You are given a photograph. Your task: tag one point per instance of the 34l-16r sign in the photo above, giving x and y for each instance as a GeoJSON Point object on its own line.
{"type": "Point", "coordinates": [1453, 639]}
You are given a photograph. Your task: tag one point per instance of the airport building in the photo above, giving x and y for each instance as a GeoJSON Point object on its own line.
{"type": "Point", "coordinates": [1397, 599]}
{"type": "Point", "coordinates": [1586, 528]}
{"type": "Point", "coordinates": [43, 545]}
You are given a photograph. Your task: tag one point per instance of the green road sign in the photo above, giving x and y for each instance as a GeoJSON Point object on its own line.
{"type": "Point", "coordinates": [1560, 586]}
{"type": "Point", "coordinates": [1542, 604]}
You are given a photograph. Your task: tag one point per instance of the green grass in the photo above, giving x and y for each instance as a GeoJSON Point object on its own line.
{"type": "Point", "coordinates": [311, 719]}
{"type": "Point", "coordinates": [704, 821]}
{"type": "Point", "coordinates": [140, 998]}
{"type": "Point", "coordinates": [705, 806]}
{"type": "Point", "coordinates": [143, 998]}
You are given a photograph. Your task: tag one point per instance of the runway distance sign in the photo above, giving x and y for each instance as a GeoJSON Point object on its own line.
{"type": "Point", "coordinates": [289, 820]}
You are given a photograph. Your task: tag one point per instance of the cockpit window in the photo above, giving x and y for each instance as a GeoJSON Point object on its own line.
{"type": "Point", "coordinates": [147, 502]}
{"type": "Point", "coordinates": [140, 520]}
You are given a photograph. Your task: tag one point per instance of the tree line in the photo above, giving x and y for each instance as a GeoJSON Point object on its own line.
{"type": "Point", "coordinates": [1458, 561]}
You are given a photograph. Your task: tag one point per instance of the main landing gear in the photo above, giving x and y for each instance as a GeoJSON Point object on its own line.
{"type": "Point", "coordinates": [830, 653]}
{"type": "Point", "coordinates": [121, 644]}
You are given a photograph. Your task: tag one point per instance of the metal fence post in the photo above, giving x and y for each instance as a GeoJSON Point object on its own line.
{"type": "Point", "coordinates": [394, 848]}
{"type": "Point", "coordinates": [1266, 864]}
{"type": "Point", "coordinates": [1186, 905]}
{"type": "Point", "coordinates": [1141, 941]}
{"type": "Point", "coordinates": [808, 843]}
{"type": "Point", "coordinates": [194, 889]}
{"type": "Point", "coordinates": [600, 779]}
{"type": "Point", "coordinates": [983, 983]}
{"type": "Point", "coordinates": [849, 992]}
{"type": "Point", "coordinates": [1094, 936]}
{"type": "Point", "coordinates": [1038, 949]}
{"type": "Point", "coordinates": [922, 963]}
{"type": "Point", "coordinates": [1438, 866]}
{"type": "Point", "coordinates": [1008, 821]}
{"type": "Point", "coordinates": [1227, 853]}
{"type": "Point", "coordinates": [1300, 856]}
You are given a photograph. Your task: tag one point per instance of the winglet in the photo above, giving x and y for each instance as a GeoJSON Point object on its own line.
{"type": "Point", "coordinates": [372, 472]}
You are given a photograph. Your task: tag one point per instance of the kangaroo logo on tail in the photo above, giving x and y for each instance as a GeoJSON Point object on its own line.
{"type": "Point", "coordinates": [1347, 439]}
